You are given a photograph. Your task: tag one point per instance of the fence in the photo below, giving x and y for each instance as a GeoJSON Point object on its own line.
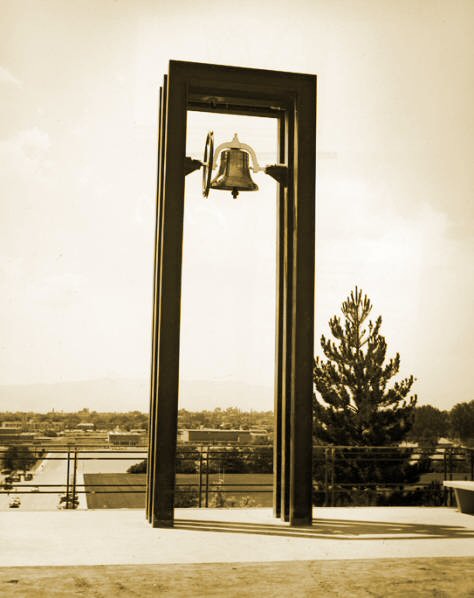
{"type": "Point", "coordinates": [221, 476]}
{"type": "Point", "coordinates": [348, 475]}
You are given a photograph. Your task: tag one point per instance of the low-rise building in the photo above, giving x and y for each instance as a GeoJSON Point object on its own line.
{"type": "Point", "coordinates": [215, 436]}
{"type": "Point", "coordinates": [87, 427]}
{"type": "Point", "coordinates": [259, 436]}
{"type": "Point", "coordinates": [41, 426]}
{"type": "Point", "coordinates": [122, 438]}
{"type": "Point", "coordinates": [80, 438]}
{"type": "Point", "coordinates": [11, 425]}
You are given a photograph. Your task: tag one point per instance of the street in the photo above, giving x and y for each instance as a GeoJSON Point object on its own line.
{"type": "Point", "coordinates": [53, 469]}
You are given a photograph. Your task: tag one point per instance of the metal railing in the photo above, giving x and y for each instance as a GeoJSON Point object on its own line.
{"type": "Point", "coordinates": [220, 476]}
{"type": "Point", "coordinates": [349, 475]}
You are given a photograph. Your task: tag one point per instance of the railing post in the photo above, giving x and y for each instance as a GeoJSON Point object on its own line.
{"type": "Point", "coordinates": [200, 479]}
{"type": "Point", "coordinates": [445, 475]}
{"type": "Point", "coordinates": [450, 476]}
{"type": "Point", "coordinates": [206, 504]}
{"type": "Point", "coordinates": [333, 459]}
{"type": "Point", "coordinates": [326, 480]}
{"type": "Point", "coordinates": [67, 477]}
{"type": "Point", "coordinates": [74, 479]}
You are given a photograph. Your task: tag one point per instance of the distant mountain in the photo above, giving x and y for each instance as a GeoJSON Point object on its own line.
{"type": "Point", "coordinates": [98, 395]}
{"type": "Point", "coordinates": [196, 395]}
{"type": "Point", "coordinates": [129, 395]}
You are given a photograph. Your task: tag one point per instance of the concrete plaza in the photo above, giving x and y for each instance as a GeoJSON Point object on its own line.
{"type": "Point", "coordinates": [123, 537]}
{"type": "Point", "coordinates": [359, 551]}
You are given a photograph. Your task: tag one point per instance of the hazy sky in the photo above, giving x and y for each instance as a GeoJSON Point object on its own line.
{"type": "Point", "coordinates": [78, 102]}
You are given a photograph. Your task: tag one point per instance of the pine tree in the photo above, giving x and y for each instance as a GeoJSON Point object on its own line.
{"type": "Point", "coordinates": [357, 404]}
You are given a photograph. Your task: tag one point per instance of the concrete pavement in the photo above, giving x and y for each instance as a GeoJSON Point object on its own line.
{"type": "Point", "coordinates": [116, 537]}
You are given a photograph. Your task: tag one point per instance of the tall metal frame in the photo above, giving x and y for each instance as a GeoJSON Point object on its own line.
{"type": "Point", "coordinates": [291, 99]}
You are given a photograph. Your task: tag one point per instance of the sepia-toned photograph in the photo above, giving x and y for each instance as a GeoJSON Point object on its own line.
{"type": "Point", "coordinates": [236, 298]}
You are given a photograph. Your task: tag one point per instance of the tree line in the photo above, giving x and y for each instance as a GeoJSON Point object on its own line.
{"type": "Point", "coordinates": [219, 459]}
{"type": "Point", "coordinates": [430, 424]}
{"type": "Point", "coordinates": [427, 423]}
{"type": "Point", "coordinates": [230, 418]}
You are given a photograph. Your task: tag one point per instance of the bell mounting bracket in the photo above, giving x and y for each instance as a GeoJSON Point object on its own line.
{"type": "Point", "coordinates": [190, 165]}
{"type": "Point", "coordinates": [279, 172]}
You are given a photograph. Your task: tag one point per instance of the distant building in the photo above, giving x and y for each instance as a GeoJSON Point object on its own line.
{"type": "Point", "coordinates": [11, 425]}
{"type": "Point", "coordinates": [219, 436]}
{"type": "Point", "coordinates": [41, 426]}
{"type": "Point", "coordinates": [119, 438]}
{"type": "Point", "coordinates": [87, 427]}
{"type": "Point", "coordinates": [259, 436]}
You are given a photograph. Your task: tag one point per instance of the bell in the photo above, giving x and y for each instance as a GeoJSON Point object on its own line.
{"type": "Point", "coordinates": [234, 172]}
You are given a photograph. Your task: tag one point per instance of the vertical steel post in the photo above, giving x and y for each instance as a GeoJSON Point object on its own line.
{"type": "Point", "coordinates": [304, 170]}
{"type": "Point", "coordinates": [279, 327]}
{"type": "Point", "coordinates": [169, 297]}
{"type": "Point", "coordinates": [287, 316]}
{"type": "Point", "coordinates": [156, 305]}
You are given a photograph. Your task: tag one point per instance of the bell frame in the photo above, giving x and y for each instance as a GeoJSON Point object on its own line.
{"type": "Point", "coordinates": [291, 99]}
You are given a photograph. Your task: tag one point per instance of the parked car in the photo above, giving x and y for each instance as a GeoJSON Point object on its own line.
{"type": "Point", "coordinates": [73, 502]}
{"type": "Point", "coordinates": [15, 502]}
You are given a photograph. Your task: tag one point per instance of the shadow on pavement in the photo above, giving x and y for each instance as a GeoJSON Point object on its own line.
{"type": "Point", "coordinates": [334, 529]}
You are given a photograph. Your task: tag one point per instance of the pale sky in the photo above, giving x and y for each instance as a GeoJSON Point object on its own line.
{"type": "Point", "coordinates": [394, 198]}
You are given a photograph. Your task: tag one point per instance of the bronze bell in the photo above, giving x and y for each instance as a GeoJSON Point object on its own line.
{"type": "Point", "coordinates": [234, 170]}
{"type": "Point", "coordinates": [234, 173]}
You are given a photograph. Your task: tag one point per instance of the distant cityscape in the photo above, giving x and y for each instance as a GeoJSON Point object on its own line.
{"type": "Point", "coordinates": [44, 454]}
{"type": "Point", "coordinates": [90, 459]}
{"type": "Point", "coordinates": [90, 428]}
